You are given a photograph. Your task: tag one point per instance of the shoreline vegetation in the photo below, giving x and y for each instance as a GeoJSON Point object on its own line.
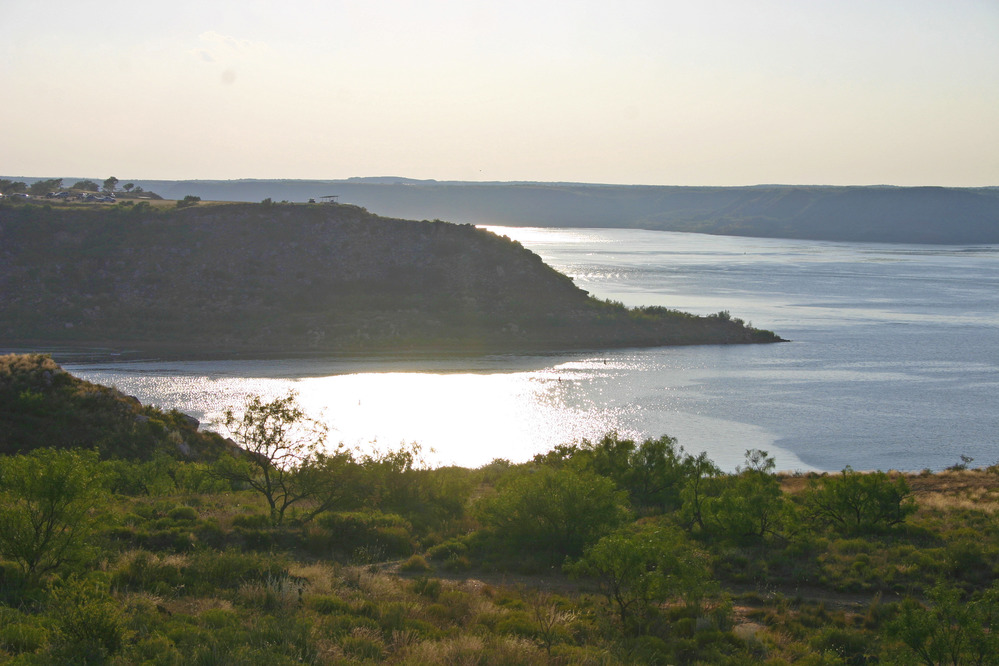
{"type": "Point", "coordinates": [245, 280]}
{"type": "Point", "coordinates": [130, 536]}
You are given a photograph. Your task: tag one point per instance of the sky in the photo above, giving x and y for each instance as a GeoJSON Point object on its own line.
{"type": "Point", "coordinates": [659, 92]}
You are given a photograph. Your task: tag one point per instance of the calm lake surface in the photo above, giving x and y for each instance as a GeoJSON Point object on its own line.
{"type": "Point", "coordinates": [893, 364]}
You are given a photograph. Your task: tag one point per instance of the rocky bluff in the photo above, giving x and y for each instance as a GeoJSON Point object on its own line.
{"type": "Point", "coordinates": [244, 279]}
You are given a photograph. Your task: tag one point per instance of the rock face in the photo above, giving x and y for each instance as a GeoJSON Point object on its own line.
{"type": "Point", "coordinates": [254, 279]}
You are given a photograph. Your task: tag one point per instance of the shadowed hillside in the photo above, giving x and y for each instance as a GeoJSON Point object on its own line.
{"type": "Point", "coordinates": [270, 279]}
{"type": "Point", "coordinates": [42, 405]}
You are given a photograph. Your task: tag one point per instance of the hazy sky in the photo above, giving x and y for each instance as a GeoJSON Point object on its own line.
{"type": "Point", "coordinates": [712, 92]}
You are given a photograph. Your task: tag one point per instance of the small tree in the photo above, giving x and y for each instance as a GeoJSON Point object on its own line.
{"type": "Point", "coordinates": [282, 458]}
{"type": "Point", "coordinates": [42, 187]}
{"type": "Point", "coordinates": [642, 566]}
{"type": "Point", "coordinates": [12, 187]}
{"type": "Point", "coordinates": [951, 630]}
{"type": "Point", "coordinates": [47, 505]}
{"type": "Point", "coordinates": [558, 511]}
{"type": "Point", "coordinates": [749, 504]}
{"type": "Point", "coordinates": [859, 502]}
{"type": "Point", "coordinates": [697, 491]}
{"type": "Point", "coordinates": [189, 200]}
{"type": "Point", "coordinates": [110, 184]}
{"type": "Point", "coordinates": [86, 186]}
{"type": "Point", "coordinates": [128, 187]}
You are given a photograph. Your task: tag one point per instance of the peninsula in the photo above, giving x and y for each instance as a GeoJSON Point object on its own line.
{"type": "Point", "coordinates": [236, 280]}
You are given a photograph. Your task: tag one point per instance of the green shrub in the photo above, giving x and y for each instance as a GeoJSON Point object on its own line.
{"type": "Point", "coordinates": [218, 618]}
{"type": "Point", "coordinates": [252, 520]}
{"type": "Point", "coordinates": [142, 570]}
{"type": "Point", "coordinates": [326, 604]}
{"type": "Point", "coordinates": [856, 502]}
{"type": "Point", "coordinates": [457, 564]}
{"type": "Point", "coordinates": [363, 647]}
{"type": "Point", "coordinates": [17, 636]}
{"type": "Point", "coordinates": [89, 623]}
{"type": "Point", "coordinates": [48, 500]}
{"type": "Point", "coordinates": [183, 514]}
{"type": "Point", "coordinates": [343, 625]}
{"type": "Point", "coordinates": [415, 563]}
{"type": "Point", "coordinates": [517, 623]}
{"type": "Point", "coordinates": [558, 512]}
{"type": "Point", "coordinates": [427, 587]}
{"type": "Point", "coordinates": [369, 535]}
{"type": "Point", "coordinates": [208, 571]}
{"type": "Point", "coordinates": [448, 549]}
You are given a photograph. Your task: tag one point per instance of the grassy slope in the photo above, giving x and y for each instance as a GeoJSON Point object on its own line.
{"type": "Point", "coordinates": [184, 569]}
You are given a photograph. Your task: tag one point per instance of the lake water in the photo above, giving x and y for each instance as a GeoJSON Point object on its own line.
{"type": "Point", "coordinates": [893, 364]}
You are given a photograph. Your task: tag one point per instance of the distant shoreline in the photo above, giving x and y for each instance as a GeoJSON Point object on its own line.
{"type": "Point", "coordinates": [876, 213]}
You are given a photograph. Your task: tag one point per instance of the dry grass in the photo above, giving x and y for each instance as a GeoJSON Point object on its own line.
{"type": "Point", "coordinates": [975, 489]}
{"type": "Point", "coordinates": [322, 578]}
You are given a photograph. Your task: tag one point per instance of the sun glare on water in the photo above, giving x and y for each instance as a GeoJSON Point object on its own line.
{"type": "Point", "coordinates": [470, 418]}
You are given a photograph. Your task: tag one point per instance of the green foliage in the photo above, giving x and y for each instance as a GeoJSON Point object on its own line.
{"type": "Point", "coordinates": [396, 482]}
{"type": "Point", "coordinates": [555, 511]}
{"type": "Point", "coordinates": [110, 184]}
{"type": "Point", "coordinates": [415, 564]}
{"type": "Point", "coordinates": [48, 500]}
{"type": "Point", "coordinates": [90, 624]}
{"type": "Point", "coordinates": [702, 481]}
{"type": "Point", "coordinates": [189, 200]}
{"type": "Point", "coordinates": [951, 630]}
{"type": "Point", "coordinates": [642, 566]}
{"type": "Point", "coordinates": [86, 186]}
{"type": "Point", "coordinates": [42, 187]}
{"type": "Point", "coordinates": [856, 503]}
{"type": "Point", "coordinates": [368, 535]}
{"type": "Point", "coordinates": [12, 187]}
{"type": "Point", "coordinates": [654, 472]}
{"type": "Point", "coordinates": [749, 504]}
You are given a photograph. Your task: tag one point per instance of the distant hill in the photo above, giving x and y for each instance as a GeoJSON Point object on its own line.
{"type": "Point", "coordinates": [864, 214]}
{"type": "Point", "coordinates": [252, 279]}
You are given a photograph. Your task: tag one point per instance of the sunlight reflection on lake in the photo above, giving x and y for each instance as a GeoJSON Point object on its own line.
{"type": "Point", "coordinates": [894, 364]}
{"type": "Point", "coordinates": [467, 417]}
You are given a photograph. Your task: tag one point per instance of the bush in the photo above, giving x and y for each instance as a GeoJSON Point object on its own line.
{"type": "Point", "coordinates": [554, 511]}
{"type": "Point", "coordinates": [415, 563]}
{"type": "Point", "coordinates": [641, 567]}
{"type": "Point", "coordinates": [21, 635]}
{"type": "Point", "coordinates": [183, 514]}
{"type": "Point", "coordinates": [748, 505]}
{"type": "Point", "coordinates": [90, 624]}
{"type": "Point", "coordinates": [855, 502]}
{"type": "Point", "coordinates": [369, 534]}
{"type": "Point", "coordinates": [47, 503]}
{"type": "Point", "coordinates": [449, 549]}
{"type": "Point", "coordinates": [326, 604]}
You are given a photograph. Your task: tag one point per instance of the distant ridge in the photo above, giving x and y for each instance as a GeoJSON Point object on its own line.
{"type": "Point", "coordinates": [878, 213]}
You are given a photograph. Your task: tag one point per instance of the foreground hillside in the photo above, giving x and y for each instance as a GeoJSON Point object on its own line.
{"type": "Point", "coordinates": [276, 279]}
{"type": "Point", "coordinates": [945, 215]}
{"type": "Point", "coordinates": [606, 552]}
